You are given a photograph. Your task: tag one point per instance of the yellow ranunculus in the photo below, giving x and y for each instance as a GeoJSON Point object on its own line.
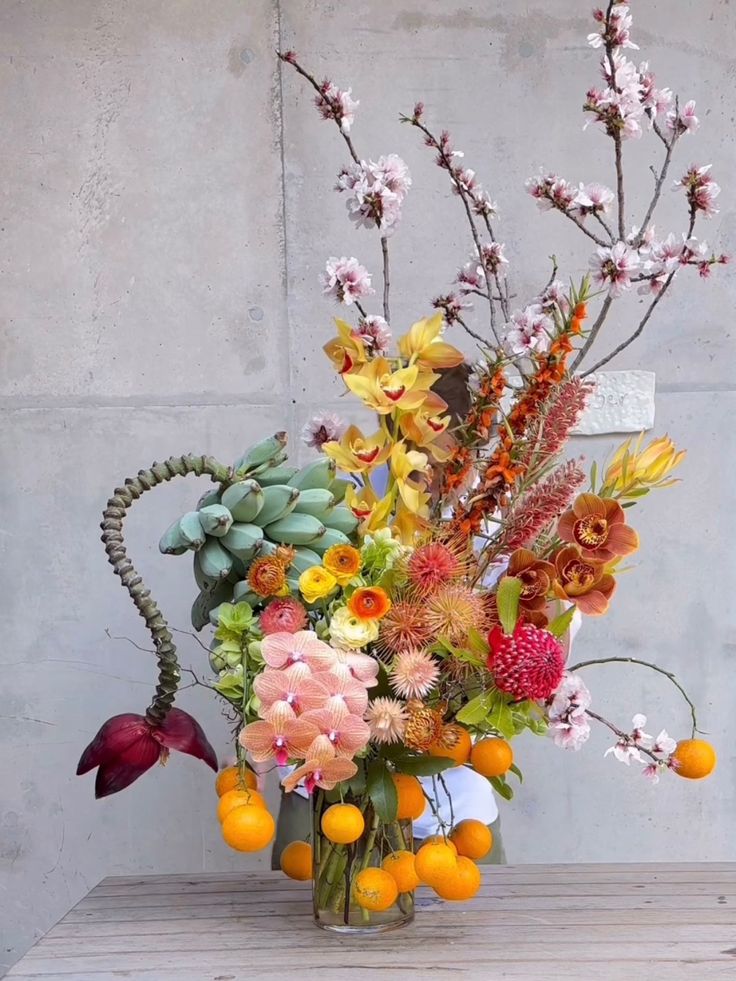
{"type": "Point", "coordinates": [636, 470]}
{"type": "Point", "coordinates": [346, 351]}
{"type": "Point", "coordinates": [384, 390]}
{"type": "Point", "coordinates": [350, 632]}
{"type": "Point", "coordinates": [356, 453]}
{"type": "Point", "coordinates": [423, 345]}
{"type": "Point", "coordinates": [316, 583]}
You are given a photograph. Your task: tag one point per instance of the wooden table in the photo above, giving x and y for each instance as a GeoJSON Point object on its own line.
{"type": "Point", "coordinates": [532, 922]}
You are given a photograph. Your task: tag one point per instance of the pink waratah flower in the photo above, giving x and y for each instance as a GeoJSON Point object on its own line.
{"type": "Point", "coordinates": [323, 428]}
{"type": "Point", "coordinates": [304, 647]}
{"type": "Point", "coordinates": [333, 103]}
{"type": "Point", "coordinates": [127, 745]}
{"type": "Point", "coordinates": [346, 280]}
{"type": "Point", "coordinates": [354, 664]}
{"type": "Point", "coordinates": [375, 334]}
{"type": "Point", "coordinates": [593, 199]}
{"type": "Point", "coordinates": [387, 718]}
{"type": "Point", "coordinates": [701, 190]}
{"type": "Point", "coordinates": [296, 687]}
{"type": "Point", "coordinates": [280, 735]}
{"type": "Point", "coordinates": [568, 722]}
{"type": "Point", "coordinates": [528, 330]}
{"type": "Point", "coordinates": [339, 691]}
{"type": "Point", "coordinates": [413, 674]}
{"type": "Point", "coordinates": [685, 121]}
{"type": "Point", "coordinates": [347, 733]}
{"type": "Point", "coordinates": [614, 267]}
{"type": "Point", "coordinates": [322, 768]}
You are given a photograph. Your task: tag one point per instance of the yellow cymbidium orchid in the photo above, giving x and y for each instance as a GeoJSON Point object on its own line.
{"type": "Point", "coordinates": [407, 526]}
{"type": "Point", "coordinates": [384, 390]}
{"type": "Point", "coordinates": [368, 508]}
{"type": "Point", "coordinates": [635, 471]}
{"type": "Point", "coordinates": [428, 432]}
{"type": "Point", "coordinates": [413, 492]}
{"type": "Point", "coordinates": [356, 453]}
{"type": "Point", "coordinates": [346, 351]}
{"type": "Point", "coordinates": [422, 345]}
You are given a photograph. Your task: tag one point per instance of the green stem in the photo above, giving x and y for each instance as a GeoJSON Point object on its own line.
{"type": "Point", "coordinates": [646, 664]}
{"type": "Point", "coordinates": [112, 536]}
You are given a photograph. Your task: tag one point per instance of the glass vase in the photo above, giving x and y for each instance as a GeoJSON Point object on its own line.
{"type": "Point", "coordinates": [336, 868]}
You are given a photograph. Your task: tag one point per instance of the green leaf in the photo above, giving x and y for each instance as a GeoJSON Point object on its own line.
{"type": "Point", "coordinates": [517, 772]}
{"type": "Point", "coordinates": [356, 784]}
{"type": "Point", "coordinates": [423, 766]}
{"type": "Point", "coordinates": [502, 788]}
{"type": "Point", "coordinates": [560, 624]}
{"type": "Point", "coordinates": [477, 709]}
{"type": "Point", "coordinates": [593, 476]}
{"type": "Point", "coordinates": [382, 791]}
{"type": "Point", "coordinates": [507, 601]}
{"type": "Point", "coordinates": [477, 643]}
{"type": "Point", "coordinates": [501, 718]}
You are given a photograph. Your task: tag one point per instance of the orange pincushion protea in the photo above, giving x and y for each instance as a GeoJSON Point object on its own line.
{"type": "Point", "coordinates": [423, 726]}
{"type": "Point", "coordinates": [598, 527]}
{"type": "Point", "coordinates": [583, 582]}
{"type": "Point", "coordinates": [369, 603]}
{"type": "Point", "coordinates": [404, 627]}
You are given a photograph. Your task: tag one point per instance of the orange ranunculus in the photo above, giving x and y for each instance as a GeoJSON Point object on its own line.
{"type": "Point", "coordinates": [582, 582]}
{"type": "Point", "coordinates": [343, 561]}
{"type": "Point", "coordinates": [369, 603]}
{"type": "Point", "coordinates": [346, 351]}
{"type": "Point", "coordinates": [597, 525]}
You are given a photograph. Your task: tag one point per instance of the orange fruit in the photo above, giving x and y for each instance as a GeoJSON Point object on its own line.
{"type": "Point", "coordinates": [455, 744]}
{"type": "Point", "coordinates": [375, 889]}
{"type": "Point", "coordinates": [401, 865]}
{"type": "Point", "coordinates": [440, 839]}
{"type": "Point", "coordinates": [248, 828]}
{"type": "Point", "coordinates": [233, 778]}
{"type": "Point", "coordinates": [343, 824]}
{"type": "Point", "coordinates": [411, 797]}
{"type": "Point", "coordinates": [491, 757]}
{"type": "Point", "coordinates": [236, 798]}
{"type": "Point", "coordinates": [472, 838]}
{"type": "Point", "coordinates": [296, 860]}
{"type": "Point", "coordinates": [463, 882]}
{"type": "Point", "coordinates": [696, 757]}
{"type": "Point", "coordinates": [434, 861]}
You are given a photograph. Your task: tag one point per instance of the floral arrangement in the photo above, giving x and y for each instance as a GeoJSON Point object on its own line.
{"type": "Point", "coordinates": [405, 603]}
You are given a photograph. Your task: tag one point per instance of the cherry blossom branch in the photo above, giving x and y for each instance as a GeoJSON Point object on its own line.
{"type": "Point", "coordinates": [647, 664]}
{"type": "Point", "coordinates": [659, 178]}
{"type": "Point", "coordinates": [607, 228]}
{"type": "Point", "coordinates": [386, 279]}
{"type": "Point", "coordinates": [469, 330]}
{"type": "Point", "coordinates": [623, 736]}
{"type": "Point", "coordinates": [645, 319]}
{"type": "Point", "coordinates": [445, 162]}
{"type": "Point", "coordinates": [616, 135]}
{"type": "Point", "coordinates": [593, 333]}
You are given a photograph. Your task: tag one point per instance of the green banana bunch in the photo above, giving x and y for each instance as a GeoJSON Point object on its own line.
{"type": "Point", "coordinates": [267, 504]}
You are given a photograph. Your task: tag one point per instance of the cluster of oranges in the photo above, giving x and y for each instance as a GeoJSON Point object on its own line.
{"type": "Point", "coordinates": [490, 757]}
{"type": "Point", "coordinates": [247, 825]}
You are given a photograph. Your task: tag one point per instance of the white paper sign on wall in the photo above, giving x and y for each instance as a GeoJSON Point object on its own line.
{"type": "Point", "coordinates": [621, 402]}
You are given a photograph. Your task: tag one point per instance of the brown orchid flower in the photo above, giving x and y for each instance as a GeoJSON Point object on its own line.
{"type": "Point", "coordinates": [582, 582]}
{"type": "Point", "coordinates": [597, 525]}
{"type": "Point", "coordinates": [536, 577]}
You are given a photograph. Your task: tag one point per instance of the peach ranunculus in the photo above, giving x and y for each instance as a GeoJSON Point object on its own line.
{"type": "Point", "coordinates": [582, 582]}
{"type": "Point", "coordinates": [597, 525]}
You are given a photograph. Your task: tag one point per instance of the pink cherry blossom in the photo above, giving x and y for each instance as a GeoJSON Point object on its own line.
{"type": "Point", "coordinates": [348, 733]}
{"type": "Point", "coordinates": [528, 330]}
{"type": "Point", "coordinates": [554, 298]}
{"type": "Point", "coordinates": [701, 190]}
{"type": "Point", "coordinates": [593, 199]}
{"type": "Point", "coordinates": [651, 772]}
{"type": "Point", "coordinates": [282, 650]}
{"type": "Point", "coordinates": [471, 276]}
{"type": "Point", "coordinates": [452, 305]}
{"type": "Point", "coordinates": [346, 280]}
{"type": "Point", "coordinates": [624, 751]}
{"type": "Point", "coordinates": [551, 191]}
{"type": "Point", "coordinates": [375, 334]}
{"type": "Point", "coordinates": [656, 101]}
{"type": "Point", "coordinates": [377, 189]}
{"type": "Point", "coordinates": [569, 727]}
{"type": "Point", "coordinates": [323, 428]}
{"type": "Point", "coordinates": [685, 121]}
{"type": "Point", "coordinates": [280, 735]}
{"type": "Point", "coordinates": [639, 737]}
{"type": "Point", "coordinates": [617, 31]}
{"type": "Point", "coordinates": [613, 267]}
{"type": "Point", "coordinates": [664, 744]}
{"type": "Point", "coordinates": [494, 256]}
{"type": "Point", "coordinates": [333, 103]}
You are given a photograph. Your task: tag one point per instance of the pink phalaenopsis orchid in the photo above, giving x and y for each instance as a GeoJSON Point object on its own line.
{"type": "Point", "coordinates": [353, 664]}
{"type": "Point", "coordinates": [341, 691]}
{"type": "Point", "coordinates": [127, 745]}
{"type": "Point", "coordinates": [296, 686]}
{"type": "Point", "coordinates": [347, 733]}
{"type": "Point", "coordinates": [322, 768]}
{"type": "Point", "coordinates": [281, 735]}
{"type": "Point", "coordinates": [283, 650]}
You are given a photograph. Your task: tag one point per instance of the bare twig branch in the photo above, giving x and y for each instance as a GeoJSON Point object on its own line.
{"type": "Point", "coordinates": [386, 279]}
{"type": "Point", "coordinates": [469, 330]}
{"type": "Point", "coordinates": [146, 650]}
{"type": "Point", "coordinates": [659, 179]}
{"type": "Point", "coordinates": [623, 735]}
{"type": "Point", "coordinates": [590, 340]}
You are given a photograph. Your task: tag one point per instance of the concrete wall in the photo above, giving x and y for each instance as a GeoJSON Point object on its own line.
{"type": "Point", "coordinates": [157, 297]}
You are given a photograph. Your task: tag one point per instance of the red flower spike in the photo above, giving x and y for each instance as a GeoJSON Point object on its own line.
{"type": "Point", "coordinates": [128, 745]}
{"type": "Point", "coordinates": [529, 663]}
